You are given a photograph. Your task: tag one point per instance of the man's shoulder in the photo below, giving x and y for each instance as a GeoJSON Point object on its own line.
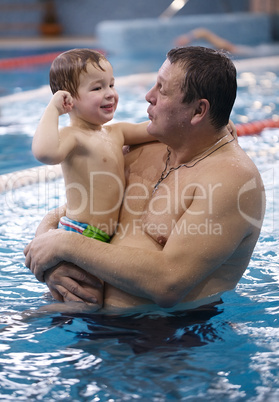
{"type": "Point", "coordinates": [231, 170]}
{"type": "Point", "coordinates": [235, 160]}
{"type": "Point", "coordinates": [241, 163]}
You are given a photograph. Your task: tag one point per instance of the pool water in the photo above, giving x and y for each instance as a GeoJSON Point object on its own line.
{"type": "Point", "coordinates": [229, 352]}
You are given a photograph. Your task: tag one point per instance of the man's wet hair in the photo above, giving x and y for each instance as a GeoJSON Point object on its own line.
{"type": "Point", "coordinates": [209, 74]}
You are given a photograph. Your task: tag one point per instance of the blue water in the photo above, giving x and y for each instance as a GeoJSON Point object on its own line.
{"type": "Point", "coordinates": [226, 353]}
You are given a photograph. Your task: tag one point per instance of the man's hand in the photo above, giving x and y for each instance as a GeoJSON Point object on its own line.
{"type": "Point", "coordinates": [67, 282]}
{"type": "Point", "coordinates": [42, 254]}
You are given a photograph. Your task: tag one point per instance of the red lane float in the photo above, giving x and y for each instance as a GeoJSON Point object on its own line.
{"type": "Point", "coordinates": [255, 127]}
{"type": "Point", "coordinates": [19, 62]}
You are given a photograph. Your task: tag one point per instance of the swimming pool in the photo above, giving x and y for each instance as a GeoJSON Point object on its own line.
{"type": "Point", "coordinates": [228, 353]}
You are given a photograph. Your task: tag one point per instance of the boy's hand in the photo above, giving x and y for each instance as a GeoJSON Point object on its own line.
{"type": "Point", "coordinates": [63, 101]}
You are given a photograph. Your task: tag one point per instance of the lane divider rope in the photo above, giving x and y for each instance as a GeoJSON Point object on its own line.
{"type": "Point", "coordinates": [256, 127]}
{"type": "Point", "coordinates": [19, 62]}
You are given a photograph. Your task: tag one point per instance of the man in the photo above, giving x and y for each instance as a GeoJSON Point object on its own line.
{"type": "Point", "coordinates": [193, 206]}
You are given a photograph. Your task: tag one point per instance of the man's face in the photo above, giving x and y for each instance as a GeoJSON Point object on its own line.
{"type": "Point", "coordinates": [168, 116]}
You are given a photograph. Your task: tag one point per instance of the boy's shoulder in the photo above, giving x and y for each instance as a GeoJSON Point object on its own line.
{"type": "Point", "coordinates": [118, 126]}
{"type": "Point", "coordinates": [67, 129]}
{"type": "Point", "coordinates": [117, 129]}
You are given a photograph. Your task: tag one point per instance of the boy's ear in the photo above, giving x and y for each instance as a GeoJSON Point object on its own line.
{"type": "Point", "coordinates": [200, 111]}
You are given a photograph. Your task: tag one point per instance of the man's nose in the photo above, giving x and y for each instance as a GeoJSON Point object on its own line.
{"type": "Point", "coordinates": [150, 96]}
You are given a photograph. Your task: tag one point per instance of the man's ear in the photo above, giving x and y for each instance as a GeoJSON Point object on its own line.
{"type": "Point", "coordinates": [201, 110]}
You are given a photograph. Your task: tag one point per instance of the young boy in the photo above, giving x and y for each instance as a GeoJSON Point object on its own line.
{"type": "Point", "coordinates": [90, 152]}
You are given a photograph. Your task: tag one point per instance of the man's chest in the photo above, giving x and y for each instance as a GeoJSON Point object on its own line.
{"type": "Point", "coordinates": [156, 210]}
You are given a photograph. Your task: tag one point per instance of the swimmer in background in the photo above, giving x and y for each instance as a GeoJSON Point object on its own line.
{"type": "Point", "coordinates": [215, 40]}
{"type": "Point", "coordinates": [89, 151]}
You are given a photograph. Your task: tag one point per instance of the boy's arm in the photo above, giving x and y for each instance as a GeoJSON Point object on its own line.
{"type": "Point", "coordinates": [48, 145]}
{"type": "Point", "coordinates": [51, 220]}
{"type": "Point", "coordinates": [135, 133]}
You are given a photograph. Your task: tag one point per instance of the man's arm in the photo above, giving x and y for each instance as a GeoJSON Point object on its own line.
{"type": "Point", "coordinates": [65, 281]}
{"type": "Point", "coordinates": [166, 277]}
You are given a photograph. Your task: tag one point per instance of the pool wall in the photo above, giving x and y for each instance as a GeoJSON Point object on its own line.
{"type": "Point", "coordinates": [90, 13]}
{"type": "Point", "coordinates": [79, 18]}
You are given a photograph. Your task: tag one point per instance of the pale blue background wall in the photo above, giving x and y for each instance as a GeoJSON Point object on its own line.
{"type": "Point", "coordinates": [80, 17]}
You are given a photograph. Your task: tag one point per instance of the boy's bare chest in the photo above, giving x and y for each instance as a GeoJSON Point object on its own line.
{"type": "Point", "coordinates": [99, 151]}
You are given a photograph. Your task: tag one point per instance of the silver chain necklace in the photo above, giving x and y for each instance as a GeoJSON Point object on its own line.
{"type": "Point", "coordinates": [193, 162]}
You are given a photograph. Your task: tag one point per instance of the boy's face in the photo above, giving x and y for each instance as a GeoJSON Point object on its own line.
{"type": "Point", "coordinates": [98, 98]}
